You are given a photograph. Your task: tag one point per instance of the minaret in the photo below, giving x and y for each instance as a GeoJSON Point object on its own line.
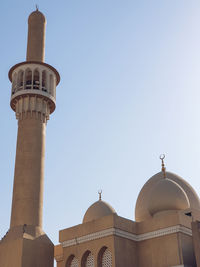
{"type": "Point", "coordinates": [33, 99]}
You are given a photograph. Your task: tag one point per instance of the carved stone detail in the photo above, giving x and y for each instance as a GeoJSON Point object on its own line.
{"type": "Point", "coordinates": [33, 106]}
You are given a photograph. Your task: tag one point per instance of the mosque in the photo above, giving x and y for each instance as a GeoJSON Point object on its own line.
{"type": "Point", "coordinates": [166, 230]}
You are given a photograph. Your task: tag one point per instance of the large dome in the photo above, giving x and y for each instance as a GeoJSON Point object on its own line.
{"type": "Point", "coordinates": [167, 195]}
{"type": "Point", "coordinates": [142, 209]}
{"type": "Point", "coordinates": [97, 210]}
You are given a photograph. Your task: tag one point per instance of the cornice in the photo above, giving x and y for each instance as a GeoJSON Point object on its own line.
{"type": "Point", "coordinates": [128, 235]}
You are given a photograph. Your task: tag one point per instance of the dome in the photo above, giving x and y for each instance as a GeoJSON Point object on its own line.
{"type": "Point", "coordinates": [142, 211]}
{"type": "Point", "coordinates": [97, 210]}
{"type": "Point", "coordinates": [167, 195]}
{"type": "Point", "coordinates": [36, 16]}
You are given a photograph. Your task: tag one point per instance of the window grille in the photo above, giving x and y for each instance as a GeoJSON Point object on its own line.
{"type": "Point", "coordinates": [74, 263]}
{"type": "Point", "coordinates": [90, 261]}
{"type": "Point", "coordinates": [107, 259]}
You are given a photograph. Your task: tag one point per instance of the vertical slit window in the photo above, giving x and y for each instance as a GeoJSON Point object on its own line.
{"type": "Point", "coordinates": [14, 83]}
{"type": "Point", "coordinates": [36, 80]}
{"type": "Point", "coordinates": [20, 80]}
{"type": "Point", "coordinates": [44, 81]}
{"type": "Point", "coordinates": [28, 79]}
{"type": "Point", "coordinates": [51, 85]}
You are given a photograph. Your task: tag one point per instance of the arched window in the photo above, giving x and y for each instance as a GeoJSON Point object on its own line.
{"type": "Point", "coordinates": [104, 257]}
{"type": "Point", "coordinates": [87, 259]}
{"type": "Point", "coordinates": [72, 261]}
{"type": "Point", "coordinates": [28, 79]}
{"type": "Point", "coordinates": [14, 83]}
{"type": "Point", "coordinates": [36, 80]}
{"type": "Point", "coordinates": [44, 81]}
{"type": "Point", "coordinates": [20, 80]}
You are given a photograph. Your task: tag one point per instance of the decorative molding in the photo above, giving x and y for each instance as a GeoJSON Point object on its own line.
{"type": "Point", "coordinates": [59, 257]}
{"type": "Point", "coordinates": [165, 231]}
{"type": "Point", "coordinates": [90, 237]}
{"type": "Point", "coordinates": [127, 235]}
{"type": "Point", "coordinates": [29, 105]}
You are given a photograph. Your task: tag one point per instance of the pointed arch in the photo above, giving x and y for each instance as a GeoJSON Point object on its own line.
{"type": "Point", "coordinates": [87, 259]}
{"type": "Point", "coordinates": [104, 257]}
{"type": "Point", "coordinates": [72, 261]}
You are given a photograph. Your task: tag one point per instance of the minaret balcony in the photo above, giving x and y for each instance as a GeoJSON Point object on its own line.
{"type": "Point", "coordinates": [34, 79]}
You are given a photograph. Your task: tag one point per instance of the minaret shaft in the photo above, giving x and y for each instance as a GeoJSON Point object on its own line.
{"type": "Point", "coordinates": [27, 202]}
{"type": "Point", "coordinates": [36, 38]}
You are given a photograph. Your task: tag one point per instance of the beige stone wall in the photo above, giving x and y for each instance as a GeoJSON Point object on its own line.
{"type": "Point", "coordinates": [11, 253]}
{"type": "Point", "coordinates": [86, 228]}
{"type": "Point", "coordinates": [163, 220]}
{"type": "Point", "coordinates": [187, 249]}
{"type": "Point", "coordinates": [159, 252]}
{"type": "Point", "coordinates": [26, 251]}
{"type": "Point", "coordinates": [196, 240]}
{"type": "Point", "coordinates": [125, 252]}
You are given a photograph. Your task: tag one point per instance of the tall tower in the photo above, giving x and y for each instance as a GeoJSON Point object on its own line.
{"type": "Point", "coordinates": [33, 99]}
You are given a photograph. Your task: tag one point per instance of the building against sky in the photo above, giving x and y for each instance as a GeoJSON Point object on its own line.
{"type": "Point", "coordinates": [167, 213]}
{"type": "Point", "coordinates": [166, 232]}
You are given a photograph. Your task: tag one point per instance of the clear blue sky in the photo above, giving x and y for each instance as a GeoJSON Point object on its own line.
{"type": "Point", "coordinates": [129, 91]}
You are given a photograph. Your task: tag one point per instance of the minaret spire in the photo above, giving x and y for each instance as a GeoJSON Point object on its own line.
{"type": "Point", "coordinates": [36, 36]}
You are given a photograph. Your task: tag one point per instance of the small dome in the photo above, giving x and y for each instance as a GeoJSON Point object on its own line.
{"type": "Point", "coordinates": [167, 195]}
{"type": "Point", "coordinates": [97, 210]}
{"type": "Point", "coordinates": [36, 16]}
